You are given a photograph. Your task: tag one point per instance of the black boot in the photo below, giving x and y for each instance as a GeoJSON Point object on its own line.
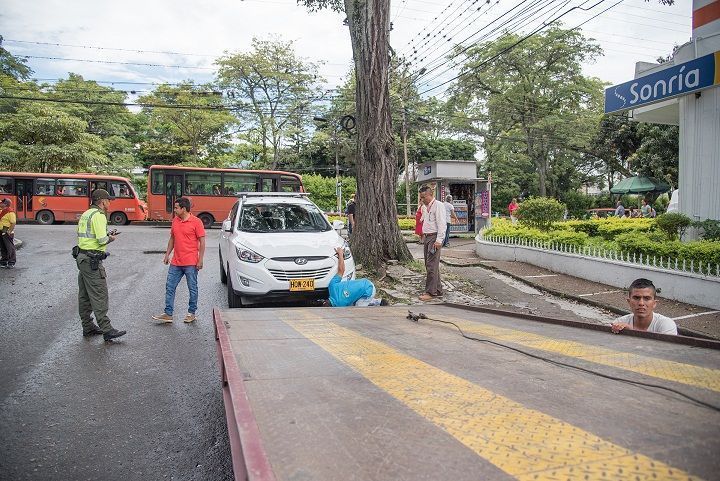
{"type": "Point", "coordinates": [112, 334]}
{"type": "Point", "coordinates": [93, 331]}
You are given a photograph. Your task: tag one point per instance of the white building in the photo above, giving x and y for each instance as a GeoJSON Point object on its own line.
{"type": "Point", "coordinates": [685, 92]}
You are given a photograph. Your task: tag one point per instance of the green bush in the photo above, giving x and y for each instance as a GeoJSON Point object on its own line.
{"type": "Point", "coordinates": [322, 190]}
{"type": "Point", "coordinates": [673, 224]}
{"type": "Point", "coordinates": [405, 223]}
{"type": "Point", "coordinates": [709, 229]}
{"type": "Point", "coordinates": [577, 239]}
{"type": "Point", "coordinates": [611, 227]}
{"type": "Point", "coordinates": [577, 204]}
{"type": "Point", "coordinates": [540, 212]}
{"type": "Point", "coordinates": [697, 251]}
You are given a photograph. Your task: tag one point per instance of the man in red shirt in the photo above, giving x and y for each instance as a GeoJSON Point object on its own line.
{"type": "Point", "coordinates": [187, 238]}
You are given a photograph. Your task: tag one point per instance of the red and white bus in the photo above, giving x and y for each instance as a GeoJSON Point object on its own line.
{"type": "Point", "coordinates": [212, 192]}
{"type": "Point", "coordinates": [51, 198]}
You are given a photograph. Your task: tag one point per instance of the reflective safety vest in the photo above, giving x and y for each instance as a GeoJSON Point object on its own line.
{"type": "Point", "coordinates": [92, 230]}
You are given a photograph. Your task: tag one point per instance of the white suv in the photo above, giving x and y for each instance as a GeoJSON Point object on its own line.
{"type": "Point", "coordinates": [277, 245]}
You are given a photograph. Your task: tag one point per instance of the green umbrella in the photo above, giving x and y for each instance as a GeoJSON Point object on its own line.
{"type": "Point", "coordinates": [640, 185]}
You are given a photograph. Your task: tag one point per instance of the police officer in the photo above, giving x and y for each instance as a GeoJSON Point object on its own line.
{"type": "Point", "coordinates": [93, 239]}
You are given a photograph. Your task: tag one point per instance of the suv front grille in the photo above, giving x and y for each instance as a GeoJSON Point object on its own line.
{"type": "Point", "coordinates": [283, 275]}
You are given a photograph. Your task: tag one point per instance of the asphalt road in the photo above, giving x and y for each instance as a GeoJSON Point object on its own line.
{"type": "Point", "coordinates": [148, 406]}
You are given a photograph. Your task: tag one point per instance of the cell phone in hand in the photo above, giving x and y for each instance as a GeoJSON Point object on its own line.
{"type": "Point", "coordinates": [433, 249]}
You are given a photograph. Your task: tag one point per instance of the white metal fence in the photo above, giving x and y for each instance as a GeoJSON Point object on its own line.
{"type": "Point", "coordinates": [669, 263]}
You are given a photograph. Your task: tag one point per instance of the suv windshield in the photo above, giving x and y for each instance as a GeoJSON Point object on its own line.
{"type": "Point", "coordinates": [282, 218]}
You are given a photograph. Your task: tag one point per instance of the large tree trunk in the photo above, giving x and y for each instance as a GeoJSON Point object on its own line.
{"type": "Point", "coordinates": [376, 236]}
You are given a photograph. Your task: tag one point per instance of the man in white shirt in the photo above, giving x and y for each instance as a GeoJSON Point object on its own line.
{"type": "Point", "coordinates": [434, 227]}
{"type": "Point", "coordinates": [641, 297]}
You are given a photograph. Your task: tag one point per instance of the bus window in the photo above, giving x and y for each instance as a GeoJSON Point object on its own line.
{"type": "Point", "coordinates": [289, 184]}
{"type": "Point", "coordinates": [235, 183]}
{"type": "Point", "coordinates": [6, 185]}
{"type": "Point", "coordinates": [158, 182]}
{"type": "Point", "coordinates": [44, 186]}
{"type": "Point", "coordinates": [99, 184]}
{"type": "Point", "coordinates": [201, 183]}
{"type": "Point", "coordinates": [120, 190]}
{"type": "Point", "coordinates": [72, 187]}
{"type": "Point", "coordinates": [268, 184]}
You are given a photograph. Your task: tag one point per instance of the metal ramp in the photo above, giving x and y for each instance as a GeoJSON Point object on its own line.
{"type": "Point", "coordinates": [366, 394]}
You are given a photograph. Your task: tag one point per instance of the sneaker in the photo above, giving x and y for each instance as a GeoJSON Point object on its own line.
{"type": "Point", "coordinates": [93, 331]}
{"type": "Point", "coordinates": [163, 317]}
{"type": "Point", "coordinates": [113, 334]}
{"type": "Point", "coordinates": [11, 266]}
{"type": "Point", "coordinates": [189, 318]}
{"type": "Point", "coordinates": [3, 263]}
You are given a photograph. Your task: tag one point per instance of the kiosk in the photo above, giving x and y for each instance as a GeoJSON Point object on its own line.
{"type": "Point", "coordinates": [471, 195]}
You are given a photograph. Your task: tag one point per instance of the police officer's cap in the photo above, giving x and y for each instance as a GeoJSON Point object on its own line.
{"type": "Point", "coordinates": [100, 194]}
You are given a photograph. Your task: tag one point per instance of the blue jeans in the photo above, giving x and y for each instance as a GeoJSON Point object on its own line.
{"type": "Point", "coordinates": [446, 241]}
{"type": "Point", "coordinates": [175, 273]}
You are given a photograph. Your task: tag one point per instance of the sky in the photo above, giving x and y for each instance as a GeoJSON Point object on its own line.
{"type": "Point", "coordinates": [97, 39]}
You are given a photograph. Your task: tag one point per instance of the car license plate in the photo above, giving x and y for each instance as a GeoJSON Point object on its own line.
{"type": "Point", "coordinates": [302, 285]}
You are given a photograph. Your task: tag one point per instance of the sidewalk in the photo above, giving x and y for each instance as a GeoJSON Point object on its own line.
{"type": "Point", "coordinates": [691, 320]}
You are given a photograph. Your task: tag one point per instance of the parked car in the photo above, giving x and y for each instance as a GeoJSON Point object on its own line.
{"type": "Point", "coordinates": [279, 245]}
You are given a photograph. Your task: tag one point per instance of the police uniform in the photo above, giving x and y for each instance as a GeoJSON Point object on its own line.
{"type": "Point", "coordinates": [93, 292]}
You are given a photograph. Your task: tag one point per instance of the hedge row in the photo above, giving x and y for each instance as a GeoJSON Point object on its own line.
{"type": "Point", "coordinates": [609, 227]}
{"type": "Point", "coordinates": [404, 222]}
{"type": "Point", "coordinates": [627, 238]}
{"type": "Point", "coordinates": [696, 251]}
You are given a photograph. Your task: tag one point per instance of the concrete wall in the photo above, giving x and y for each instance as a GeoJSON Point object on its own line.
{"type": "Point", "coordinates": [679, 286]}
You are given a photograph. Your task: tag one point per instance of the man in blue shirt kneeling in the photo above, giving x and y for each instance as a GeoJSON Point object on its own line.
{"type": "Point", "coordinates": [344, 293]}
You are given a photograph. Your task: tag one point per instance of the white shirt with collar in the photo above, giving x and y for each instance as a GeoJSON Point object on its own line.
{"type": "Point", "coordinates": [433, 218]}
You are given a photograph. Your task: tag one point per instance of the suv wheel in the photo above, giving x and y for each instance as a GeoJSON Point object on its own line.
{"type": "Point", "coordinates": [233, 299]}
{"type": "Point", "coordinates": [223, 272]}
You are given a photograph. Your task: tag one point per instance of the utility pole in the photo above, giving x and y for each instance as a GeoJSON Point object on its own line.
{"type": "Point", "coordinates": [338, 184]}
{"type": "Point", "coordinates": [405, 158]}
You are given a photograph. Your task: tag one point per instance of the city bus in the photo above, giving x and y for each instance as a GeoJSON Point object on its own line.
{"type": "Point", "coordinates": [53, 198]}
{"type": "Point", "coordinates": [212, 192]}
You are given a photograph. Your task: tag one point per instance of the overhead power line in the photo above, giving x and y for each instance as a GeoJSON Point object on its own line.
{"type": "Point", "coordinates": [118, 63]}
{"type": "Point", "coordinates": [526, 37]}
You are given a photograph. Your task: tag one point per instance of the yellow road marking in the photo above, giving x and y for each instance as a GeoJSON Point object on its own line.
{"type": "Point", "coordinates": [524, 443]}
{"type": "Point", "coordinates": [659, 368]}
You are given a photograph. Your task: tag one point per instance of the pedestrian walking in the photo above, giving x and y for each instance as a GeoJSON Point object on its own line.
{"type": "Point", "coordinates": [434, 225]}
{"type": "Point", "coordinates": [89, 253]}
{"type": "Point", "coordinates": [449, 213]}
{"type": "Point", "coordinates": [418, 224]}
{"type": "Point", "coordinates": [8, 219]}
{"type": "Point", "coordinates": [187, 240]}
{"type": "Point", "coordinates": [512, 207]}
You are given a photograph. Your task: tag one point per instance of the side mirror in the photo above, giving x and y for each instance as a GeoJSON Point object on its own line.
{"type": "Point", "coordinates": [338, 225]}
{"type": "Point", "coordinates": [227, 225]}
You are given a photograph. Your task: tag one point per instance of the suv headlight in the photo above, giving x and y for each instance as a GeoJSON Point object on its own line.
{"type": "Point", "coordinates": [247, 255]}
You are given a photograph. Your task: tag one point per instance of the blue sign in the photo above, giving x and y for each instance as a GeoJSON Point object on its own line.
{"type": "Point", "coordinates": [427, 169]}
{"type": "Point", "coordinates": [682, 79]}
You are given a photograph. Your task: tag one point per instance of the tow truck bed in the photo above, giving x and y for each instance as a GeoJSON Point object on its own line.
{"type": "Point", "coordinates": [366, 394]}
